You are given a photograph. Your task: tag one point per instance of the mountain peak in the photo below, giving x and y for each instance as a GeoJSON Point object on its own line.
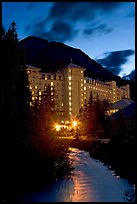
{"type": "Point", "coordinates": [52, 56]}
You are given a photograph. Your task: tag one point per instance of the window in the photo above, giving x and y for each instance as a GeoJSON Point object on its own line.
{"type": "Point", "coordinates": [69, 77]}
{"type": "Point", "coordinates": [69, 82]}
{"type": "Point", "coordinates": [51, 83]}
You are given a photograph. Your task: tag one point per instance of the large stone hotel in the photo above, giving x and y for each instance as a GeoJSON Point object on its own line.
{"type": "Point", "coordinates": [73, 88]}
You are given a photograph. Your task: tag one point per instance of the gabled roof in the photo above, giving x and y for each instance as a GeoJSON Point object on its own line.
{"type": "Point", "coordinates": [121, 104]}
{"type": "Point", "coordinates": [72, 65]}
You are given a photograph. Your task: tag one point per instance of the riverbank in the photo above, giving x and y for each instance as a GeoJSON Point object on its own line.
{"type": "Point", "coordinates": [117, 155]}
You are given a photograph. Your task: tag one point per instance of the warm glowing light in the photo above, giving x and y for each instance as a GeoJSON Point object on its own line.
{"type": "Point", "coordinates": [69, 82]}
{"type": "Point", "coordinates": [74, 123]}
{"type": "Point", "coordinates": [70, 98]}
{"type": "Point", "coordinates": [69, 87]}
{"type": "Point", "coordinates": [84, 88]}
{"type": "Point", "coordinates": [57, 127]}
{"type": "Point", "coordinates": [30, 87]}
{"type": "Point", "coordinates": [36, 87]}
{"type": "Point", "coordinates": [69, 93]}
{"type": "Point", "coordinates": [51, 83]}
{"type": "Point", "coordinates": [39, 92]}
{"type": "Point", "coordinates": [69, 77]}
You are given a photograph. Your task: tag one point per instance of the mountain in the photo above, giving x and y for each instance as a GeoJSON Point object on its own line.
{"type": "Point", "coordinates": [51, 56]}
{"type": "Point", "coordinates": [130, 76]}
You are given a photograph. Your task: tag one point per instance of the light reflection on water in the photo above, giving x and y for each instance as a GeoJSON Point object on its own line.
{"type": "Point", "coordinates": [90, 182]}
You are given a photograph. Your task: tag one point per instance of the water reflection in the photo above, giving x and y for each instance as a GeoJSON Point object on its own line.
{"type": "Point", "coordinates": [91, 181]}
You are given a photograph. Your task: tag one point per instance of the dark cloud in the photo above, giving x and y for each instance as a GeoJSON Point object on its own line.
{"type": "Point", "coordinates": [100, 29]}
{"type": "Point", "coordinates": [114, 60]}
{"type": "Point", "coordinates": [81, 10]}
{"type": "Point", "coordinates": [63, 19]}
{"type": "Point", "coordinates": [60, 31]}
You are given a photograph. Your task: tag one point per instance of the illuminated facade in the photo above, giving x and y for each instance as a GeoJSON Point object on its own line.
{"type": "Point", "coordinates": [72, 88]}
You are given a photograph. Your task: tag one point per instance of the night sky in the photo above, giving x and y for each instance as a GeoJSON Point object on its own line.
{"type": "Point", "coordinates": [105, 31]}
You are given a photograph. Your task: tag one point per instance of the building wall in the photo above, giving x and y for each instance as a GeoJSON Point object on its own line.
{"type": "Point", "coordinates": [72, 88]}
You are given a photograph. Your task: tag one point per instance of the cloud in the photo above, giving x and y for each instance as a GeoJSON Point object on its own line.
{"type": "Point", "coordinates": [60, 31]}
{"type": "Point", "coordinates": [81, 10]}
{"type": "Point", "coordinates": [114, 60]}
{"type": "Point", "coordinates": [102, 28]}
{"type": "Point", "coordinates": [70, 16]}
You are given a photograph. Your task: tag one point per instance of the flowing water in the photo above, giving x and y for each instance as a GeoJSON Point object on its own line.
{"type": "Point", "coordinates": [91, 181]}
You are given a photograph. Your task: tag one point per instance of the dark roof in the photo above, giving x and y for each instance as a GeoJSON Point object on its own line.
{"type": "Point", "coordinates": [121, 104]}
{"type": "Point", "coordinates": [128, 112]}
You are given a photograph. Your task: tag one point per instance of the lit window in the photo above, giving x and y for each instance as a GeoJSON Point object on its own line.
{"type": "Point", "coordinates": [39, 98]}
{"type": "Point", "coordinates": [51, 88]}
{"type": "Point", "coordinates": [70, 98]}
{"type": "Point", "coordinates": [69, 82]}
{"type": "Point", "coordinates": [81, 72]}
{"type": "Point", "coordinates": [69, 77]}
{"type": "Point", "coordinates": [30, 87]}
{"type": "Point", "coordinates": [84, 88]}
{"type": "Point", "coordinates": [70, 108]}
{"type": "Point", "coordinates": [89, 86]}
{"type": "Point", "coordinates": [69, 70]}
{"type": "Point", "coordinates": [84, 81]}
{"type": "Point", "coordinates": [69, 113]}
{"type": "Point", "coordinates": [62, 104]}
{"type": "Point", "coordinates": [28, 72]}
{"type": "Point", "coordinates": [70, 103]}
{"type": "Point", "coordinates": [51, 83]}
{"type": "Point", "coordinates": [69, 87]}
{"type": "Point", "coordinates": [32, 92]}
{"type": "Point", "coordinates": [39, 92]}
{"type": "Point", "coordinates": [30, 103]}
{"type": "Point", "coordinates": [81, 79]}
{"type": "Point", "coordinates": [51, 93]}
{"type": "Point", "coordinates": [36, 87]}
{"type": "Point", "coordinates": [81, 84]}
{"type": "Point", "coordinates": [69, 93]}
{"type": "Point", "coordinates": [33, 98]}
{"type": "Point", "coordinates": [94, 88]}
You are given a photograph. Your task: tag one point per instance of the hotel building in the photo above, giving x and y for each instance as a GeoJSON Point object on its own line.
{"type": "Point", "coordinates": [73, 88]}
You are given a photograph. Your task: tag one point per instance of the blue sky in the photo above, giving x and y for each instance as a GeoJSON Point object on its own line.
{"type": "Point", "coordinates": [105, 31]}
